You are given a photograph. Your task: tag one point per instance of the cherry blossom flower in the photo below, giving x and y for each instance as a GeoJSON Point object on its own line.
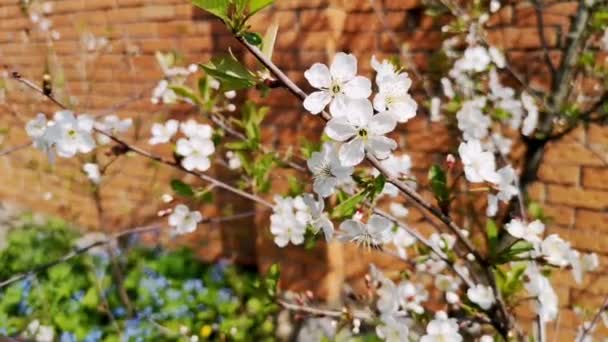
{"type": "Point", "coordinates": [498, 58]}
{"type": "Point", "coordinates": [393, 96]}
{"type": "Point", "coordinates": [44, 134]}
{"type": "Point", "coordinates": [531, 120]}
{"type": "Point", "coordinates": [471, 120]}
{"type": "Point", "coordinates": [582, 264]}
{"type": "Point", "coordinates": [328, 172]}
{"type": "Point", "coordinates": [411, 296]}
{"type": "Point", "coordinates": [318, 219]}
{"type": "Point", "coordinates": [75, 133]}
{"type": "Point", "coordinates": [398, 210]}
{"type": "Point", "coordinates": [392, 329]}
{"type": "Point", "coordinates": [163, 133]}
{"type": "Point", "coordinates": [401, 239]}
{"type": "Point", "coordinates": [196, 152]}
{"type": "Point", "coordinates": [555, 250]}
{"type": "Point", "coordinates": [449, 285]}
{"type": "Point", "coordinates": [442, 329]}
{"type": "Point", "coordinates": [362, 131]}
{"type": "Point", "coordinates": [285, 224]}
{"type": "Point", "coordinates": [384, 68]}
{"type": "Point", "coordinates": [506, 189]}
{"type": "Point", "coordinates": [193, 130]}
{"type": "Point", "coordinates": [475, 58]}
{"type": "Point", "coordinates": [234, 162]}
{"type": "Point", "coordinates": [40, 333]}
{"type": "Point", "coordinates": [479, 165]}
{"type": "Point", "coordinates": [446, 87]}
{"type": "Point", "coordinates": [481, 295]}
{"type": "Point", "coordinates": [183, 220]}
{"type": "Point", "coordinates": [374, 233]}
{"type": "Point", "coordinates": [163, 94]}
{"type": "Point", "coordinates": [499, 143]}
{"type": "Point", "coordinates": [539, 286]}
{"type": "Point", "coordinates": [92, 172]}
{"type": "Point", "coordinates": [337, 82]}
{"type": "Point", "coordinates": [113, 125]}
{"type": "Point", "coordinates": [529, 232]}
{"type": "Point", "coordinates": [442, 241]}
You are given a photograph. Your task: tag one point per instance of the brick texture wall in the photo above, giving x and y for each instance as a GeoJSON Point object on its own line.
{"type": "Point", "coordinates": [573, 178]}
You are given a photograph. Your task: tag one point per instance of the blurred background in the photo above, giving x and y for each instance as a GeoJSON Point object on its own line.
{"type": "Point", "coordinates": [99, 56]}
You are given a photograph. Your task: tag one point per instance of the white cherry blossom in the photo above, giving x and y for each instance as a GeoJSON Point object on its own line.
{"type": "Point", "coordinates": [539, 286]}
{"type": "Point", "coordinates": [183, 220]}
{"type": "Point", "coordinates": [92, 172]}
{"type": "Point", "coordinates": [393, 96]}
{"type": "Point", "coordinates": [411, 296]}
{"type": "Point", "coordinates": [396, 166]}
{"type": "Point", "coordinates": [398, 210]}
{"type": "Point", "coordinates": [442, 329]}
{"type": "Point", "coordinates": [318, 219]}
{"type": "Point", "coordinates": [361, 130]}
{"type": "Point", "coordinates": [475, 58]}
{"type": "Point", "coordinates": [75, 133]}
{"type": "Point", "coordinates": [526, 231]}
{"type": "Point", "coordinates": [479, 165]}
{"type": "Point", "coordinates": [481, 295]}
{"type": "Point", "coordinates": [435, 109]}
{"type": "Point", "coordinates": [555, 250]}
{"type": "Point", "coordinates": [193, 129]}
{"type": "Point", "coordinates": [498, 58]}
{"type": "Point", "coordinates": [284, 223]}
{"type": "Point", "coordinates": [392, 329]}
{"type": "Point", "coordinates": [234, 162]}
{"type": "Point", "coordinates": [375, 232]}
{"type": "Point", "coordinates": [328, 172]}
{"type": "Point", "coordinates": [531, 120]}
{"type": "Point", "coordinates": [195, 152]}
{"type": "Point", "coordinates": [162, 133]}
{"type": "Point", "coordinates": [384, 68]}
{"type": "Point", "coordinates": [471, 120]}
{"type": "Point", "coordinates": [337, 82]}
{"type": "Point", "coordinates": [401, 239]}
{"type": "Point", "coordinates": [163, 94]}
{"type": "Point", "coordinates": [113, 125]}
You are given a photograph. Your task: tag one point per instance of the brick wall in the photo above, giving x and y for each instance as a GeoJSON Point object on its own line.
{"type": "Point", "coordinates": [572, 182]}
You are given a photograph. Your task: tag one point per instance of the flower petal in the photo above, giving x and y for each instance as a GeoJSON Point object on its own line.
{"type": "Point", "coordinates": [381, 146]}
{"type": "Point", "coordinates": [359, 111]}
{"type": "Point", "coordinates": [344, 67]}
{"type": "Point", "coordinates": [316, 102]}
{"type": "Point", "coordinates": [318, 76]}
{"type": "Point", "coordinates": [382, 123]}
{"type": "Point", "coordinates": [339, 129]}
{"type": "Point", "coordinates": [358, 88]}
{"type": "Point", "coordinates": [352, 153]}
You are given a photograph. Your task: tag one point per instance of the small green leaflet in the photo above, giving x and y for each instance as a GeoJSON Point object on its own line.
{"type": "Point", "coordinates": [231, 73]}
{"type": "Point", "coordinates": [181, 188]}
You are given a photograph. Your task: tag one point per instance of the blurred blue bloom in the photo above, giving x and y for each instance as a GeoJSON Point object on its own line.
{"type": "Point", "coordinates": [193, 285]}
{"type": "Point", "coordinates": [94, 336]}
{"type": "Point", "coordinates": [120, 312]}
{"type": "Point", "coordinates": [67, 337]}
{"type": "Point", "coordinates": [77, 296]}
{"type": "Point", "coordinates": [225, 294]}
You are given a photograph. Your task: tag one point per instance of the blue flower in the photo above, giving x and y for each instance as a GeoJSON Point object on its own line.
{"type": "Point", "coordinates": [94, 336]}
{"type": "Point", "coordinates": [67, 337]}
{"type": "Point", "coordinates": [120, 312]}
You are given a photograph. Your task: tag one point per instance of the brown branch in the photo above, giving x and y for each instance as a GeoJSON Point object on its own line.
{"type": "Point", "coordinates": [540, 27]}
{"type": "Point", "coordinates": [594, 321]}
{"type": "Point", "coordinates": [14, 149]}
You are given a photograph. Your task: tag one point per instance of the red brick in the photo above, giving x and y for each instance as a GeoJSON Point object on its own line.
{"type": "Point", "coordinates": [577, 197]}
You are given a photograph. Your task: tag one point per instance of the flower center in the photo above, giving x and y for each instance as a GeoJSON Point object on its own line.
{"type": "Point", "coordinates": [362, 133]}
{"type": "Point", "coordinates": [336, 88]}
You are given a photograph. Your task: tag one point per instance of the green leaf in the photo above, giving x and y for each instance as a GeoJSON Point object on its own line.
{"type": "Point", "coordinates": [253, 38]}
{"type": "Point", "coordinates": [185, 92]}
{"type": "Point", "coordinates": [348, 207]}
{"type": "Point", "coordinates": [438, 182]}
{"type": "Point", "coordinates": [492, 233]}
{"type": "Point", "coordinates": [258, 5]}
{"type": "Point", "coordinates": [181, 188]}
{"type": "Point", "coordinates": [231, 73]}
{"type": "Point", "coordinates": [219, 8]}
{"type": "Point", "coordinates": [90, 299]}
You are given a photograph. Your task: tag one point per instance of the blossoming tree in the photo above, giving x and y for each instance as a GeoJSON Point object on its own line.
{"type": "Point", "coordinates": [356, 172]}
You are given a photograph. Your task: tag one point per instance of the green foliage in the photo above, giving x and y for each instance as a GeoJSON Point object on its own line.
{"type": "Point", "coordinates": [492, 234]}
{"type": "Point", "coordinates": [181, 188]}
{"type": "Point", "coordinates": [230, 72]}
{"type": "Point", "coordinates": [171, 289]}
{"type": "Point", "coordinates": [439, 185]}
{"type": "Point", "coordinates": [234, 13]}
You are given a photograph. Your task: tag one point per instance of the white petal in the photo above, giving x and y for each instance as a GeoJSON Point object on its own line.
{"type": "Point", "coordinates": [343, 67]}
{"type": "Point", "coordinates": [382, 123]}
{"type": "Point", "coordinates": [358, 88]}
{"type": "Point", "coordinates": [352, 153]}
{"type": "Point", "coordinates": [324, 186]}
{"type": "Point", "coordinates": [339, 129]}
{"type": "Point", "coordinates": [381, 146]}
{"type": "Point", "coordinates": [318, 76]}
{"type": "Point", "coordinates": [404, 109]}
{"type": "Point", "coordinates": [359, 111]}
{"type": "Point", "coordinates": [316, 102]}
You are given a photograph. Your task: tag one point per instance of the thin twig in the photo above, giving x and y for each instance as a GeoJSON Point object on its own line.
{"type": "Point", "coordinates": [14, 149]}
{"type": "Point", "coordinates": [587, 329]}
